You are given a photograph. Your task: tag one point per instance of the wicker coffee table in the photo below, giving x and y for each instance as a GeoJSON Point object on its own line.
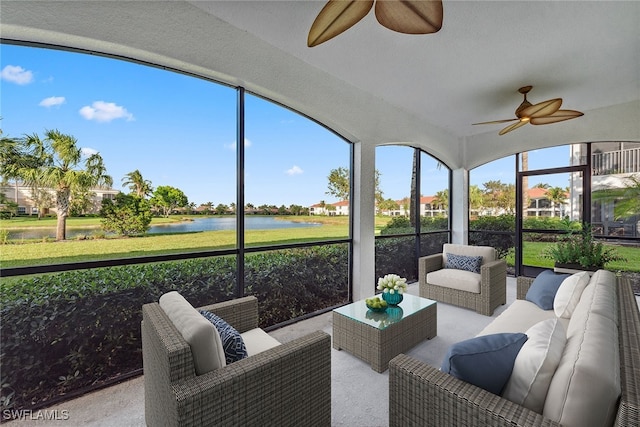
{"type": "Point", "coordinates": [377, 338]}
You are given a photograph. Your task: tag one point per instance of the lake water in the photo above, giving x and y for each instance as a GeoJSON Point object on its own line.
{"type": "Point", "coordinates": [199, 224]}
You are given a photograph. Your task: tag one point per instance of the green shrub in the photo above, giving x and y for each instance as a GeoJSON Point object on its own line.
{"type": "Point", "coordinates": [580, 248]}
{"type": "Point", "coordinates": [74, 330]}
{"type": "Point", "coordinates": [495, 231]}
{"type": "Point", "coordinates": [126, 215]}
{"type": "Point", "coordinates": [396, 255]}
{"type": "Point", "coordinates": [402, 225]}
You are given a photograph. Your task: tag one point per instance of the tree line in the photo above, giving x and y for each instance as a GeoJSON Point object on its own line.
{"type": "Point", "coordinates": [58, 174]}
{"type": "Point", "coordinates": [494, 196]}
{"type": "Point", "coordinates": [56, 163]}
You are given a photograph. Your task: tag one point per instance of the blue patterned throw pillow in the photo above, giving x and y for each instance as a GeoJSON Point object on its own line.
{"type": "Point", "coordinates": [463, 262]}
{"type": "Point", "coordinates": [232, 342]}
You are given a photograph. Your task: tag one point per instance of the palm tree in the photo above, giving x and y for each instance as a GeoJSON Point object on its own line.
{"type": "Point", "coordinates": [58, 166]}
{"type": "Point", "coordinates": [626, 199]}
{"type": "Point", "coordinates": [137, 184]}
{"type": "Point", "coordinates": [441, 200]}
{"type": "Point", "coordinates": [525, 183]}
{"type": "Point", "coordinates": [557, 196]}
{"type": "Point", "coordinates": [413, 194]}
{"type": "Point", "coordinates": [475, 198]}
{"type": "Point", "coordinates": [542, 185]}
{"type": "Point", "coordinates": [42, 199]}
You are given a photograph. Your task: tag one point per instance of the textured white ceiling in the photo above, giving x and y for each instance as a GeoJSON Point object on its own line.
{"type": "Point", "coordinates": [377, 86]}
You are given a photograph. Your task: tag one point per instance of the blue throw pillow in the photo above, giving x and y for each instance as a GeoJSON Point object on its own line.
{"type": "Point", "coordinates": [543, 290]}
{"type": "Point", "coordinates": [464, 262]}
{"type": "Point", "coordinates": [485, 361]}
{"type": "Point", "coordinates": [232, 342]}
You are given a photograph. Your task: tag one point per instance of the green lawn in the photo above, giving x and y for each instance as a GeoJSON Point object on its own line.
{"type": "Point", "coordinates": [73, 222]}
{"type": "Point", "coordinates": [335, 227]}
{"type": "Point", "coordinates": [39, 253]}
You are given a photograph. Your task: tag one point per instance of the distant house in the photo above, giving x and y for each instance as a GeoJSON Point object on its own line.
{"type": "Point", "coordinates": [541, 205]}
{"type": "Point", "coordinates": [336, 208]}
{"type": "Point", "coordinates": [22, 195]}
{"type": "Point", "coordinates": [428, 207]}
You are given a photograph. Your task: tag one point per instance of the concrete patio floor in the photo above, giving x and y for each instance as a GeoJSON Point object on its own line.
{"type": "Point", "coordinates": [359, 394]}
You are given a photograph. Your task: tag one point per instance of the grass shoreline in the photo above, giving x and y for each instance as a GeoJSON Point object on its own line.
{"type": "Point", "coordinates": [38, 252]}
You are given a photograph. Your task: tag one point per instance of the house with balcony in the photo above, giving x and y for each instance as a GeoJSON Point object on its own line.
{"type": "Point", "coordinates": [613, 165]}
{"type": "Point", "coordinates": [541, 205]}
{"type": "Point", "coordinates": [22, 195]}
{"type": "Point", "coordinates": [452, 96]}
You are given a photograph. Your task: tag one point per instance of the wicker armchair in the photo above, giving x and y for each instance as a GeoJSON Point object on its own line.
{"type": "Point", "coordinates": [493, 279]}
{"type": "Point", "coordinates": [287, 385]}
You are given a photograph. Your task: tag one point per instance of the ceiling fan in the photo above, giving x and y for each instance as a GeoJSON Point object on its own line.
{"type": "Point", "coordinates": [542, 113]}
{"type": "Point", "coordinates": [403, 16]}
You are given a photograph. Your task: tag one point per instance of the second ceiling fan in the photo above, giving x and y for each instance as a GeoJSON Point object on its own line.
{"type": "Point", "coordinates": [542, 113]}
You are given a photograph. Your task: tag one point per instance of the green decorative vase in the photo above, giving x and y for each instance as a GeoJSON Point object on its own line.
{"type": "Point", "coordinates": [392, 299]}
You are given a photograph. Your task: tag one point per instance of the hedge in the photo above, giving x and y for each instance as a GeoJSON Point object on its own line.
{"type": "Point", "coordinates": [72, 331]}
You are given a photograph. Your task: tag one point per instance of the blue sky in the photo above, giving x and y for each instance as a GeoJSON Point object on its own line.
{"type": "Point", "coordinates": [180, 131]}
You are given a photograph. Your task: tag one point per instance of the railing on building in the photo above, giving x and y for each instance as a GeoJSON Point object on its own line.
{"type": "Point", "coordinates": [616, 162]}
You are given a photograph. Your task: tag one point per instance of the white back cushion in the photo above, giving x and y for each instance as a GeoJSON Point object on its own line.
{"type": "Point", "coordinates": [569, 294]}
{"type": "Point", "coordinates": [198, 332]}
{"type": "Point", "coordinates": [487, 253]}
{"type": "Point", "coordinates": [535, 365]}
{"type": "Point", "coordinates": [585, 389]}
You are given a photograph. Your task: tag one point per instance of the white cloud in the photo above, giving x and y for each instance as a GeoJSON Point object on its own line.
{"type": "Point", "coordinates": [16, 74]}
{"type": "Point", "coordinates": [101, 111]}
{"type": "Point", "coordinates": [295, 170]}
{"type": "Point", "coordinates": [88, 152]}
{"type": "Point", "coordinates": [52, 101]}
{"type": "Point", "coordinates": [232, 146]}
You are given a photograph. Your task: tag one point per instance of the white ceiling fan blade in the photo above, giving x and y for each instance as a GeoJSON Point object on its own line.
{"type": "Point", "coordinates": [410, 16]}
{"type": "Point", "coordinates": [336, 17]}
{"type": "Point", "coordinates": [558, 116]}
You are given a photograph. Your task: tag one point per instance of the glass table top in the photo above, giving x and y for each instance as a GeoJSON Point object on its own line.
{"type": "Point", "coordinates": [410, 304]}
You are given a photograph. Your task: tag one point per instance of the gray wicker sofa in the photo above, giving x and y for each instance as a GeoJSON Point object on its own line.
{"type": "Point", "coordinates": [287, 385]}
{"type": "Point", "coordinates": [422, 395]}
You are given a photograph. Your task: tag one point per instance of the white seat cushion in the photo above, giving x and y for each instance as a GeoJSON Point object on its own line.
{"type": "Point", "coordinates": [518, 317]}
{"type": "Point", "coordinates": [198, 332]}
{"type": "Point", "coordinates": [256, 340]}
{"type": "Point", "coordinates": [455, 279]}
